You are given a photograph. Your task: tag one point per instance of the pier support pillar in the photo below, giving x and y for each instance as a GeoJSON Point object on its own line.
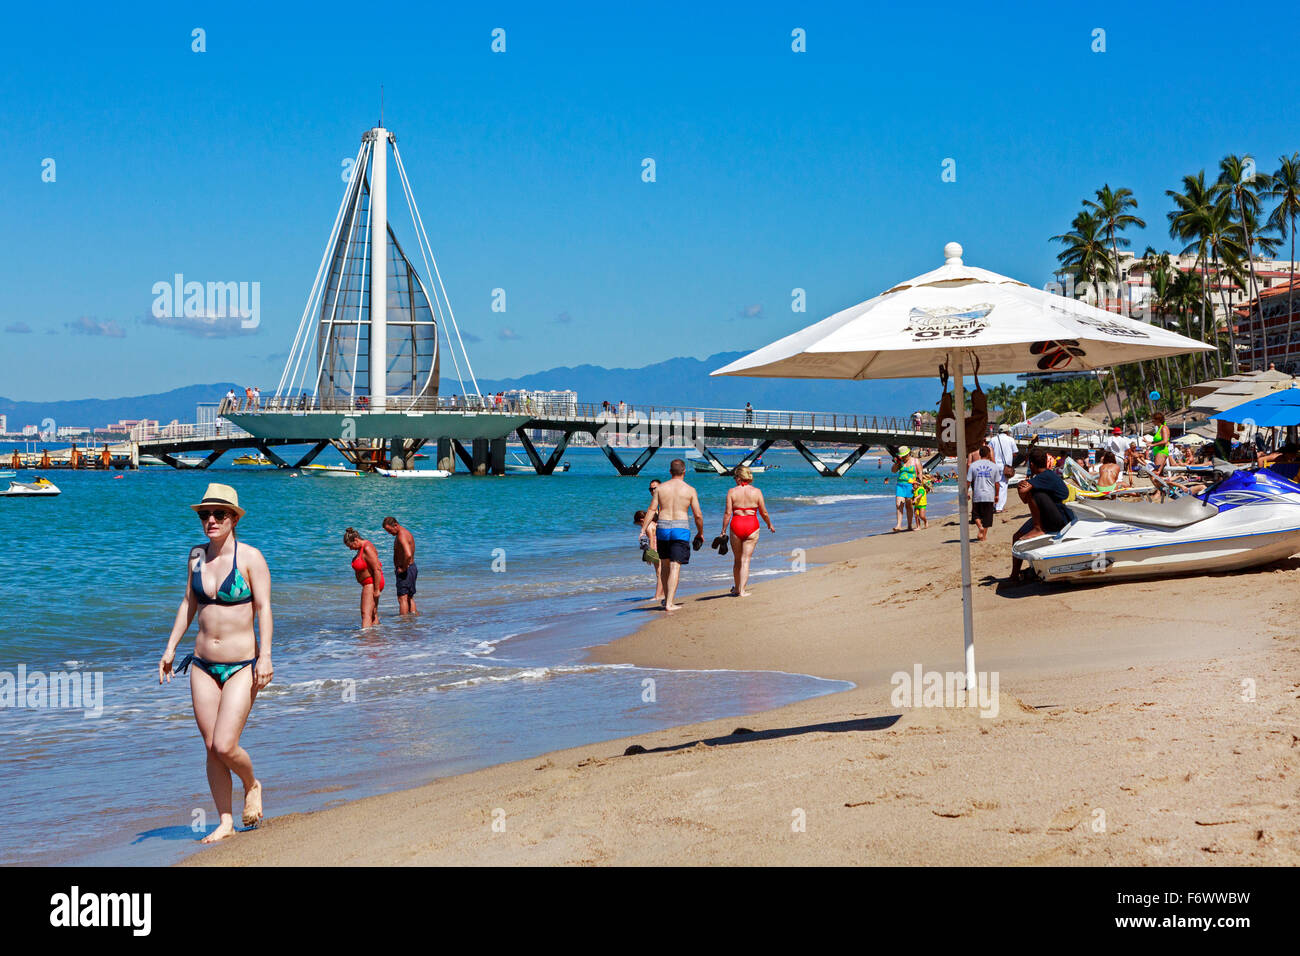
{"type": "Point", "coordinates": [835, 471]}
{"type": "Point", "coordinates": [479, 466]}
{"type": "Point", "coordinates": [543, 467]}
{"type": "Point", "coordinates": [497, 460]}
{"type": "Point", "coordinates": [275, 459]}
{"type": "Point", "coordinates": [135, 456]}
{"type": "Point", "coordinates": [308, 458]}
{"type": "Point", "coordinates": [446, 459]}
{"type": "Point", "coordinates": [624, 469]}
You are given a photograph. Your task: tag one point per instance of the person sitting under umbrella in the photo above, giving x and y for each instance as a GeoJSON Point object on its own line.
{"type": "Point", "coordinates": [1045, 493]}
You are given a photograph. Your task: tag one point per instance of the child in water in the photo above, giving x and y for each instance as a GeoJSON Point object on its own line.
{"type": "Point", "coordinates": [650, 551]}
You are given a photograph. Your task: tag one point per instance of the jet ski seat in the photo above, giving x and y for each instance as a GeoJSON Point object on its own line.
{"type": "Point", "coordinates": [1171, 513]}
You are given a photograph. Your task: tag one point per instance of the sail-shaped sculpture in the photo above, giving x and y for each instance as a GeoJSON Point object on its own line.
{"type": "Point", "coordinates": [362, 374]}
{"type": "Point", "coordinates": [369, 337]}
{"type": "Point", "coordinates": [343, 324]}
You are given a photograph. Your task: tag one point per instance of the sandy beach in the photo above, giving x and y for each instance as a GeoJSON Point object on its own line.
{"type": "Point", "coordinates": [1147, 723]}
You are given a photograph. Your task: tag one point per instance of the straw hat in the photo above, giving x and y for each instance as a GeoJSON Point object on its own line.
{"type": "Point", "coordinates": [220, 495]}
{"type": "Point", "coordinates": [904, 452]}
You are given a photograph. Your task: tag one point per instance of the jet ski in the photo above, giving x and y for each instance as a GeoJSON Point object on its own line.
{"type": "Point", "coordinates": [40, 488]}
{"type": "Point", "coordinates": [1245, 519]}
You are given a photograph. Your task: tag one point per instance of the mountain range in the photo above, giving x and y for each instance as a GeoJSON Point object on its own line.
{"type": "Point", "coordinates": [678, 381]}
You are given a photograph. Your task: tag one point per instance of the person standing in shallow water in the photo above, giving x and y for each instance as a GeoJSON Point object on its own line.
{"type": "Point", "coordinates": [228, 588]}
{"type": "Point", "coordinates": [671, 504]}
{"type": "Point", "coordinates": [370, 575]}
{"type": "Point", "coordinates": [740, 519]}
{"type": "Point", "coordinates": [403, 565]}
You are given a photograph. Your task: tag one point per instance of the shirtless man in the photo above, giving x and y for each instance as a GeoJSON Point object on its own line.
{"type": "Point", "coordinates": [404, 564]}
{"type": "Point", "coordinates": [672, 502]}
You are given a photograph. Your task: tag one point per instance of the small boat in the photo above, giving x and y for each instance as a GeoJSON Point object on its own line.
{"type": "Point", "coordinates": [1244, 520]}
{"type": "Point", "coordinates": [707, 467]}
{"type": "Point", "coordinates": [414, 473]}
{"type": "Point", "coordinates": [40, 488]}
{"type": "Point", "coordinates": [331, 471]}
{"type": "Point", "coordinates": [521, 467]}
{"type": "Point", "coordinates": [253, 460]}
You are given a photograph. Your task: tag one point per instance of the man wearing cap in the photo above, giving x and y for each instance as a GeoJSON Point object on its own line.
{"type": "Point", "coordinates": [1117, 443]}
{"type": "Point", "coordinates": [1004, 458]}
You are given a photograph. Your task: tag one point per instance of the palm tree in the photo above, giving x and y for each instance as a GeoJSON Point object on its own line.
{"type": "Point", "coordinates": [1111, 209]}
{"type": "Point", "coordinates": [1185, 224]}
{"type": "Point", "coordinates": [1086, 257]}
{"type": "Point", "coordinates": [1225, 239]}
{"type": "Point", "coordinates": [1285, 190]}
{"type": "Point", "coordinates": [1243, 185]}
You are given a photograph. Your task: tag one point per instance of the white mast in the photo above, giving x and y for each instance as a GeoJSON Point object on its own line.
{"type": "Point", "coordinates": [379, 269]}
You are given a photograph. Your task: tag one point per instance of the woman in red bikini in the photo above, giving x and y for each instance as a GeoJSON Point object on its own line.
{"type": "Point", "coordinates": [744, 505]}
{"type": "Point", "coordinates": [370, 575]}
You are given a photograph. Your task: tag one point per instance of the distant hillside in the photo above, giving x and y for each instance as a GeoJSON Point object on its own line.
{"type": "Point", "coordinates": [95, 412]}
{"type": "Point", "coordinates": [686, 381]}
{"type": "Point", "coordinates": [679, 381]}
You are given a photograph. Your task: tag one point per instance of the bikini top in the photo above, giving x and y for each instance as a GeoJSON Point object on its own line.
{"type": "Point", "coordinates": [233, 590]}
{"type": "Point", "coordinates": [359, 562]}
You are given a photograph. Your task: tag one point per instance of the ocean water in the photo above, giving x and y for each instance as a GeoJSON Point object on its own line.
{"type": "Point", "coordinates": [491, 670]}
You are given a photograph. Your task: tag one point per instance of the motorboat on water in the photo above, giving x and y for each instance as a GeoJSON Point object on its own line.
{"type": "Point", "coordinates": [520, 467]}
{"type": "Point", "coordinates": [414, 473]}
{"type": "Point", "coordinates": [40, 488]}
{"type": "Point", "coordinates": [1244, 520]}
{"type": "Point", "coordinates": [260, 460]}
{"type": "Point", "coordinates": [705, 466]}
{"type": "Point", "coordinates": [331, 471]}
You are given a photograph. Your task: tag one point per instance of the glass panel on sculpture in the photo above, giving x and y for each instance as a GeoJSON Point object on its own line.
{"type": "Point", "coordinates": [343, 336]}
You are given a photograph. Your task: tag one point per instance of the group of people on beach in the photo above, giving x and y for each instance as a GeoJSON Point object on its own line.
{"type": "Point", "coordinates": [665, 534]}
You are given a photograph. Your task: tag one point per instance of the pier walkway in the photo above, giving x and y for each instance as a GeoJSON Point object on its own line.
{"type": "Point", "coordinates": [476, 433]}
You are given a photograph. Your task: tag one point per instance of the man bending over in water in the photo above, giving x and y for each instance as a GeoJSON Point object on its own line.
{"type": "Point", "coordinates": [404, 564]}
{"type": "Point", "coordinates": [672, 502]}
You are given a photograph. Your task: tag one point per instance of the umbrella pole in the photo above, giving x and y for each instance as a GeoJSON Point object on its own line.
{"type": "Point", "coordinates": [963, 523]}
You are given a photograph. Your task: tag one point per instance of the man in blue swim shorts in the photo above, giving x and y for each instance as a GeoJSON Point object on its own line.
{"type": "Point", "coordinates": [404, 564]}
{"type": "Point", "coordinates": [674, 502]}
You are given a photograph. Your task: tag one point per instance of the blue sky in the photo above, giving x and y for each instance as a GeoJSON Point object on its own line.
{"type": "Point", "coordinates": [775, 169]}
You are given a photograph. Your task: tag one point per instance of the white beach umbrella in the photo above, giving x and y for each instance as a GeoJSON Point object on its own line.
{"type": "Point", "coordinates": [954, 315]}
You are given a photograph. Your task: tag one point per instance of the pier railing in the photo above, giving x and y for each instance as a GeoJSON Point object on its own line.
{"type": "Point", "coordinates": [758, 418]}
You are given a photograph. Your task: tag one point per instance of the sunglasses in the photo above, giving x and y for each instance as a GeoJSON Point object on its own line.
{"type": "Point", "coordinates": [218, 513]}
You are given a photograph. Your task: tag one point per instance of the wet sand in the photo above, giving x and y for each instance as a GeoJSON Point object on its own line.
{"type": "Point", "coordinates": [1147, 722]}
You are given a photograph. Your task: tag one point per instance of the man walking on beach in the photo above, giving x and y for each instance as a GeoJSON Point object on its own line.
{"type": "Point", "coordinates": [982, 479]}
{"type": "Point", "coordinates": [404, 564]}
{"type": "Point", "coordinates": [672, 502]}
{"type": "Point", "coordinates": [1004, 457]}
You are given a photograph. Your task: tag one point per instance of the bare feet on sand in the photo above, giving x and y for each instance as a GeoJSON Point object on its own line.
{"type": "Point", "coordinates": [672, 607]}
{"type": "Point", "coordinates": [225, 829]}
{"type": "Point", "coordinates": [253, 804]}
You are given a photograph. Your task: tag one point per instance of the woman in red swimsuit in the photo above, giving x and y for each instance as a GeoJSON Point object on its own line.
{"type": "Point", "coordinates": [744, 505]}
{"type": "Point", "coordinates": [370, 575]}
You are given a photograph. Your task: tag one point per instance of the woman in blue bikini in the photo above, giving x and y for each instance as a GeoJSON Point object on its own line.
{"type": "Point", "coordinates": [227, 587]}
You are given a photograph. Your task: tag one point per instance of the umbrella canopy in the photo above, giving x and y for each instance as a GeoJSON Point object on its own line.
{"type": "Point", "coordinates": [1201, 389]}
{"type": "Point", "coordinates": [954, 315]}
{"type": "Point", "coordinates": [1070, 421]}
{"type": "Point", "coordinates": [1275, 410]}
{"type": "Point", "coordinates": [1234, 393]}
{"type": "Point", "coordinates": [1007, 325]}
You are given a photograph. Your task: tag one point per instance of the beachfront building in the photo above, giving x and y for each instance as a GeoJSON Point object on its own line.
{"type": "Point", "coordinates": [4, 424]}
{"type": "Point", "coordinates": [1280, 344]}
{"type": "Point", "coordinates": [72, 431]}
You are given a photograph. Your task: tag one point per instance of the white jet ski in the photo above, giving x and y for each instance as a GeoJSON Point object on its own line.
{"type": "Point", "coordinates": [1247, 519]}
{"type": "Point", "coordinates": [40, 488]}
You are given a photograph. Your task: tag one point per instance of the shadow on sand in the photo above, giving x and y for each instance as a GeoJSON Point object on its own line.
{"type": "Point", "coordinates": [743, 735]}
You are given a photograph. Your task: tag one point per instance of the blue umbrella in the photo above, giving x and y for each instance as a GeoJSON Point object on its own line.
{"type": "Point", "coordinates": [1272, 411]}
